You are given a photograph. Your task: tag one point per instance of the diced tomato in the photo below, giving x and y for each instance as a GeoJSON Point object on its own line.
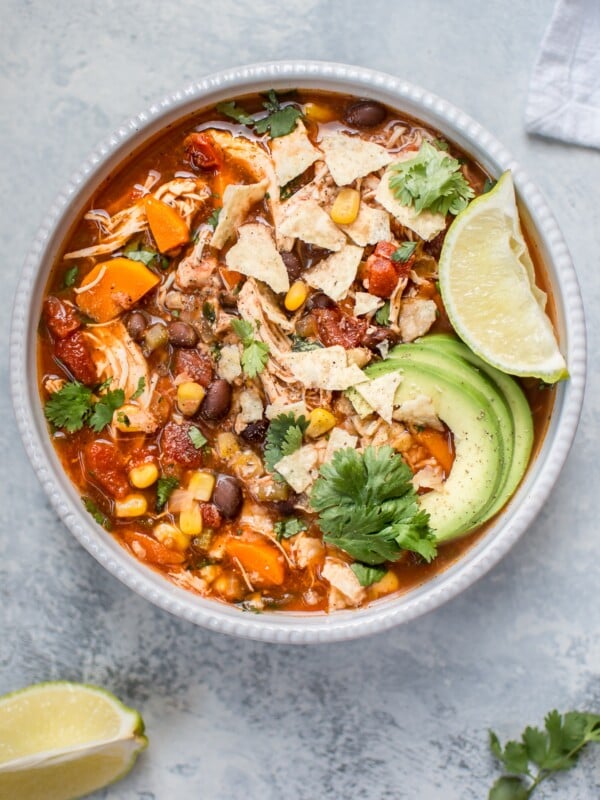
{"type": "Point", "coordinates": [143, 455]}
{"type": "Point", "coordinates": [76, 355]}
{"type": "Point", "coordinates": [196, 365]}
{"type": "Point", "coordinates": [211, 517]}
{"type": "Point", "coordinates": [147, 548]}
{"type": "Point", "coordinates": [337, 328]}
{"type": "Point", "coordinates": [61, 318]}
{"type": "Point", "coordinates": [381, 276]}
{"type": "Point", "coordinates": [177, 447]}
{"type": "Point", "coordinates": [106, 467]}
{"type": "Point", "coordinates": [202, 152]}
{"type": "Point", "coordinates": [384, 249]}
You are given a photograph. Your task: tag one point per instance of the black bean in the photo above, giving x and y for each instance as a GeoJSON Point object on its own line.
{"type": "Point", "coordinates": [255, 432]}
{"type": "Point", "coordinates": [311, 254]}
{"type": "Point", "coordinates": [319, 300]}
{"type": "Point", "coordinates": [365, 114]}
{"type": "Point", "coordinates": [217, 400]}
{"type": "Point", "coordinates": [374, 337]}
{"type": "Point", "coordinates": [182, 334]}
{"type": "Point", "coordinates": [227, 496]}
{"type": "Point", "coordinates": [286, 507]}
{"type": "Point", "coordinates": [136, 325]}
{"type": "Point", "coordinates": [293, 265]}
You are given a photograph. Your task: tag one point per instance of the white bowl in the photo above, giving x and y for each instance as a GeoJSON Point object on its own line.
{"type": "Point", "coordinates": [541, 476]}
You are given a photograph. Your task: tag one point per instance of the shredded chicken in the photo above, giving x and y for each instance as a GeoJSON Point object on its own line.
{"type": "Point", "coordinates": [344, 582]}
{"type": "Point", "coordinates": [416, 318]}
{"type": "Point", "coordinates": [429, 477]}
{"type": "Point", "coordinates": [184, 194]}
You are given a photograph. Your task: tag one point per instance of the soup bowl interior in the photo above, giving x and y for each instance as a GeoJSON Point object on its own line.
{"type": "Point", "coordinates": [544, 236]}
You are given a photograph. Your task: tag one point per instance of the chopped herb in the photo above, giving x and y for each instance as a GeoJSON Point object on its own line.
{"type": "Point", "coordinates": [140, 388]}
{"type": "Point", "coordinates": [70, 277]}
{"type": "Point", "coordinates": [70, 407]}
{"type": "Point", "coordinates": [104, 409]}
{"type": "Point", "coordinates": [286, 528]}
{"type": "Point", "coordinates": [215, 351]}
{"type": "Point", "coordinates": [256, 353]}
{"type": "Point", "coordinates": [488, 185]}
{"type": "Point", "coordinates": [382, 317]}
{"type": "Point", "coordinates": [554, 749]}
{"type": "Point", "coordinates": [368, 506]}
{"type": "Point", "coordinates": [367, 575]}
{"type": "Point", "coordinates": [404, 252]}
{"type": "Point", "coordinates": [213, 219]}
{"type": "Point", "coordinates": [441, 144]}
{"type": "Point", "coordinates": [123, 419]}
{"type": "Point", "coordinates": [284, 437]}
{"type": "Point", "coordinates": [280, 120]}
{"type": "Point", "coordinates": [165, 487]}
{"type": "Point", "coordinates": [135, 251]}
{"type": "Point", "coordinates": [208, 312]}
{"type": "Point", "coordinates": [431, 181]}
{"type": "Point", "coordinates": [197, 437]}
{"type": "Point", "coordinates": [267, 195]}
{"type": "Point", "coordinates": [300, 344]}
{"type": "Point", "coordinates": [92, 508]}
{"type": "Point", "coordinates": [233, 111]}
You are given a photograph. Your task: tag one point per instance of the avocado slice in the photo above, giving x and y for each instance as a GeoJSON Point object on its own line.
{"type": "Point", "coordinates": [455, 367]}
{"type": "Point", "coordinates": [478, 467]}
{"type": "Point", "coordinates": [516, 401]}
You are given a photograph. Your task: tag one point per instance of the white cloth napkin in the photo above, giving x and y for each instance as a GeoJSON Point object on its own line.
{"type": "Point", "coordinates": [564, 93]}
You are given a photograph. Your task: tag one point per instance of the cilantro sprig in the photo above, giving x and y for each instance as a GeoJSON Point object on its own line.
{"type": "Point", "coordinates": [256, 353]}
{"type": "Point", "coordinates": [431, 181]}
{"type": "Point", "coordinates": [554, 749]}
{"type": "Point", "coordinates": [284, 437]}
{"type": "Point", "coordinates": [76, 405]}
{"type": "Point", "coordinates": [286, 528]}
{"type": "Point", "coordinates": [368, 506]}
{"type": "Point", "coordinates": [279, 121]}
{"type": "Point", "coordinates": [165, 486]}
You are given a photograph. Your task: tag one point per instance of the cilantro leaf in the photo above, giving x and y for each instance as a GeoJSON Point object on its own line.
{"type": "Point", "coordinates": [284, 436]}
{"type": "Point", "coordinates": [104, 409]}
{"type": "Point", "coordinates": [368, 506]}
{"type": "Point", "coordinates": [165, 487]}
{"type": "Point", "coordinates": [136, 251]}
{"type": "Point", "coordinates": [70, 277]}
{"type": "Point", "coordinates": [279, 123]}
{"type": "Point", "coordinates": [213, 219]}
{"type": "Point", "coordinates": [431, 181]}
{"type": "Point", "coordinates": [286, 528]}
{"type": "Point", "coordinates": [197, 437]}
{"type": "Point", "coordinates": [140, 389]}
{"type": "Point", "coordinates": [367, 575]}
{"type": "Point", "coordinates": [92, 507]}
{"type": "Point", "coordinates": [382, 317]}
{"type": "Point", "coordinates": [233, 111]}
{"type": "Point", "coordinates": [554, 749]}
{"type": "Point", "coordinates": [70, 407]}
{"type": "Point", "coordinates": [403, 252]}
{"type": "Point", "coordinates": [255, 353]}
{"type": "Point", "coordinates": [208, 312]}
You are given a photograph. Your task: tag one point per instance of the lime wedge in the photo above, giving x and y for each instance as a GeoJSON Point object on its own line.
{"type": "Point", "coordinates": [63, 740]}
{"type": "Point", "coordinates": [487, 282]}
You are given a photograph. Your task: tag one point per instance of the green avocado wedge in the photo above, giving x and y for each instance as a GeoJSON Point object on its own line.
{"type": "Point", "coordinates": [517, 403]}
{"type": "Point", "coordinates": [478, 469]}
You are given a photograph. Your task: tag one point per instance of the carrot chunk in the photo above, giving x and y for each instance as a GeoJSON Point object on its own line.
{"type": "Point", "coordinates": [115, 286]}
{"type": "Point", "coordinates": [261, 560]}
{"type": "Point", "coordinates": [439, 445]}
{"type": "Point", "coordinates": [166, 225]}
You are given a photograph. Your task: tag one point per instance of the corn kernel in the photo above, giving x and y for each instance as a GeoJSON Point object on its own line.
{"type": "Point", "coordinates": [296, 295]}
{"type": "Point", "coordinates": [210, 572]}
{"type": "Point", "coordinates": [143, 476]}
{"type": "Point", "coordinates": [229, 586]}
{"type": "Point", "coordinates": [318, 113]}
{"type": "Point", "coordinates": [320, 420]}
{"type": "Point", "coordinates": [190, 520]}
{"type": "Point", "coordinates": [134, 505]}
{"type": "Point", "coordinates": [201, 486]}
{"type": "Point", "coordinates": [247, 465]}
{"type": "Point", "coordinates": [171, 536]}
{"type": "Point", "coordinates": [227, 445]}
{"type": "Point", "coordinates": [389, 583]}
{"type": "Point", "coordinates": [189, 396]}
{"type": "Point", "coordinates": [345, 206]}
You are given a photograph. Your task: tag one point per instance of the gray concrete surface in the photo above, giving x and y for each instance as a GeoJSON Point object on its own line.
{"type": "Point", "coordinates": [401, 715]}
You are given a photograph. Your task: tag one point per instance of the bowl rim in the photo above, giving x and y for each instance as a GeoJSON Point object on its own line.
{"type": "Point", "coordinates": [285, 627]}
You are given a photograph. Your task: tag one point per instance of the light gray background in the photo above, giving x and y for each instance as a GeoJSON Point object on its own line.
{"type": "Point", "coordinates": [400, 715]}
